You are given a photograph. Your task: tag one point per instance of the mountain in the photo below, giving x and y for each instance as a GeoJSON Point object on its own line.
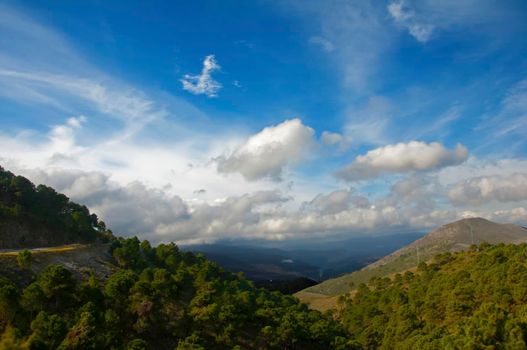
{"type": "Point", "coordinates": [451, 237]}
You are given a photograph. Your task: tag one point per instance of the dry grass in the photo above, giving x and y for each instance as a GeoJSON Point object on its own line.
{"type": "Point", "coordinates": [47, 250]}
{"type": "Point", "coordinates": [317, 301]}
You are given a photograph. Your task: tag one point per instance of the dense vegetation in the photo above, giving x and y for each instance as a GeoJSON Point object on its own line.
{"type": "Point", "coordinates": [159, 298]}
{"type": "Point", "coordinates": [470, 300]}
{"type": "Point", "coordinates": [41, 206]}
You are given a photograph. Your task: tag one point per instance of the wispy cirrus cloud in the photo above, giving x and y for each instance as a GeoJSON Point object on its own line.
{"type": "Point", "coordinates": [511, 118]}
{"type": "Point", "coordinates": [203, 84]}
{"type": "Point", "coordinates": [119, 102]}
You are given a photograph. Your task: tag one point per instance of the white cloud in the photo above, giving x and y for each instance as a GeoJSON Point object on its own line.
{"type": "Point", "coordinates": [335, 139]}
{"type": "Point", "coordinates": [406, 17]}
{"type": "Point", "coordinates": [475, 167]}
{"type": "Point", "coordinates": [324, 43]}
{"type": "Point", "coordinates": [267, 153]}
{"type": "Point", "coordinates": [203, 84]}
{"type": "Point", "coordinates": [515, 215]}
{"type": "Point", "coordinates": [484, 189]}
{"type": "Point", "coordinates": [401, 158]}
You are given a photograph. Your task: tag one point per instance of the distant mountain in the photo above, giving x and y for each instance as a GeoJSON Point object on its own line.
{"type": "Point", "coordinates": [257, 263]}
{"type": "Point", "coordinates": [452, 237]}
{"type": "Point", "coordinates": [288, 267]}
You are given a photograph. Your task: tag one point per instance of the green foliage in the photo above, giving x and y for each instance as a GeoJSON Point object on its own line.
{"type": "Point", "coordinates": [473, 300]}
{"type": "Point", "coordinates": [23, 259]}
{"type": "Point", "coordinates": [48, 330]}
{"type": "Point", "coordinates": [42, 206]}
{"type": "Point", "coordinates": [57, 284]}
{"type": "Point", "coordinates": [9, 297]}
{"type": "Point", "coordinates": [160, 298]}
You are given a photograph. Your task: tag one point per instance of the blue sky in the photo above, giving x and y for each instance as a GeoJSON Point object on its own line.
{"type": "Point", "coordinates": [206, 120]}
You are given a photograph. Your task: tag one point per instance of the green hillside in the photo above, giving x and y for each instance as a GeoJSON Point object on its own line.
{"type": "Point", "coordinates": [452, 237]}
{"type": "Point", "coordinates": [38, 216]}
{"type": "Point", "coordinates": [467, 300]}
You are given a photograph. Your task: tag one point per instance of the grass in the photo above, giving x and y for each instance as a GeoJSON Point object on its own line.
{"type": "Point", "coordinates": [317, 301]}
{"type": "Point", "coordinates": [46, 250]}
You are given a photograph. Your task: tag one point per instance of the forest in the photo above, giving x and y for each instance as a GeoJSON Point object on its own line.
{"type": "Point", "coordinates": [475, 299]}
{"type": "Point", "coordinates": [159, 297]}
{"type": "Point", "coordinates": [41, 206]}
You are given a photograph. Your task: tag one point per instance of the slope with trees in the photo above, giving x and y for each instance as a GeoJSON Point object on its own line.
{"type": "Point", "coordinates": [474, 299]}
{"type": "Point", "coordinates": [38, 216]}
{"type": "Point", "coordinates": [452, 237]}
{"type": "Point", "coordinates": [158, 298]}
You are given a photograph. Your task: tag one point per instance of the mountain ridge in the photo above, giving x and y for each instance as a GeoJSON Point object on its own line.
{"type": "Point", "coordinates": [451, 237]}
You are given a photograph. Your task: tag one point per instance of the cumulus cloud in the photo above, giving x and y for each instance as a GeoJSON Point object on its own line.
{"type": "Point", "coordinates": [401, 158]}
{"type": "Point", "coordinates": [484, 189]}
{"type": "Point", "coordinates": [267, 153]}
{"type": "Point", "coordinates": [203, 84]}
{"type": "Point", "coordinates": [406, 17]}
{"type": "Point", "coordinates": [324, 43]}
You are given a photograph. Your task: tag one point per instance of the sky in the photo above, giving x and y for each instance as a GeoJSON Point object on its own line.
{"type": "Point", "coordinates": [198, 121]}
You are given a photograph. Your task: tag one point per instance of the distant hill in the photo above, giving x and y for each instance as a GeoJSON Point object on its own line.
{"type": "Point", "coordinates": [290, 268]}
{"type": "Point", "coordinates": [317, 261]}
{"type": "Point", "coordinates": [452, 237]}
{"type": "Point", "coordinates": [37, 216]}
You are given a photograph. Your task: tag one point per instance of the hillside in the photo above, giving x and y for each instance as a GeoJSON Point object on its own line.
{"type": "Point", "coordinates": [466, 300]}
{"type": "Point", "coordinates": [452, 237]}
{"type": "Point", "coordinates": [37, 216]}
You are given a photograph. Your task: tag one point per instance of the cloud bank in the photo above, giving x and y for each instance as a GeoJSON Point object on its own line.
{"type": "Point", "coordinates": [484, 189]}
